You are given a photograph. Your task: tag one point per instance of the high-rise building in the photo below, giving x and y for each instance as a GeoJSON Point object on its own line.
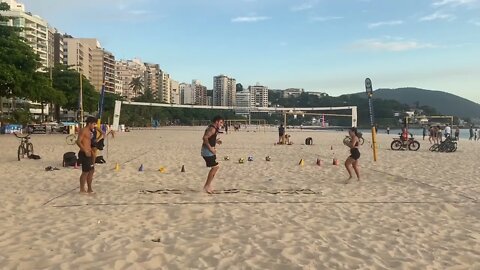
{"type": "Point", "coordinates": [244, 99]}
{"type": "Point", "coordinates": [59, 56]}
{"type": "Point", "coordinates": [164, 92]}
{"type": "Point", "coordinates": [259, 95]}
{"type": "Point", "coordinates": [200, 93]}
{"type": "Point", "coordinates": [78, 55]}
{"type": "Point", "coordinates": [51, 47]}
{"type": "Point", "coordinates": [109, 71]}
{"type": "Point", "coordinates": [88, 57]}
{"type": "Point", "coordinates": [126, 71]}
{"type": "Point", "coordinates": [174, 92]}
{"type": "Point", "coordinates": [187, 93]}
{"type": "Point", "coordinates": [34, 29]}
{"type": "Point", "coordinates": [152, 78]}
{"type": "Point", "coordinates": [224, 91]}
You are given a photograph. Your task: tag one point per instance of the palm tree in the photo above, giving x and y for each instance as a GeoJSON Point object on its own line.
{"type": "Point", "coordinates": [136, 85]}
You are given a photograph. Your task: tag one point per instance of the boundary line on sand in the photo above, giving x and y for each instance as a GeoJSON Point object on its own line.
{"type": "Point", "coordinates": [263, 202]}
{"type": "Point", "coordinates": [475, 200]}
{"type": "Point", "coordinates": [65, 193]}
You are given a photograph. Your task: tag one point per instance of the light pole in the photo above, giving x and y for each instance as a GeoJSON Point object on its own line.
{"type": "Point", "coordinates": [369, 90]}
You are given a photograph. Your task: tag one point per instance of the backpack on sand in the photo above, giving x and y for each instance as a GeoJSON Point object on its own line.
{"type": "Point", "coordinates": [69, 159]}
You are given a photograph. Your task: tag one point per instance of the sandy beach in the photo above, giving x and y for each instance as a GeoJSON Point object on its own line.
{"type": "Point", "coordinates": [412, 210]}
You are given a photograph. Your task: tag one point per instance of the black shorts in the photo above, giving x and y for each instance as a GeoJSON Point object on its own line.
{"type": "Point", "coordinates": [354, 153]}
{"type": "Point", "coordinates": [210, 161]}
{"type": "Point", "coordinates": [87, 163]}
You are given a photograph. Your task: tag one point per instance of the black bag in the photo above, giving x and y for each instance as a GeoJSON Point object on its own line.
{"type": "Point", "coordinates": [32, 156]}
{"type": "Point", "coordinates": [309, 141]}
{"type": "Point", "coordinates": [69, 159]}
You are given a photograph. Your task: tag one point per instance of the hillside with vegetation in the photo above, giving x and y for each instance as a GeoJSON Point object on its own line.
{"type": "Point", "coordinates": [444, 103]}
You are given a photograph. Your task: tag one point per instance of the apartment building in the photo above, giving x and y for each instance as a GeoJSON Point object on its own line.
{"type": "Point", "coordinates": [244, 99]}
{"type": "Point", "coordinates": [174, 92]}
{"type": "Point", "coordinates": [125, 72]}
{"type": "Point", "coordinates": [33, 28]}
{"type": "Point", "coordinates": [259, 95]}
{"type": "Point", "coordinates": [164, 90]}
{"type": "Point", "coordinates": [224, 91]}
{"type": "Point", "coordinates": [152, 78]}
{"type": "Point", "coordinates": [187, 93]}
{"type": "Point", "coordinates": [78, 55]}
{"type": "Point", "coordinates": [200, 93]}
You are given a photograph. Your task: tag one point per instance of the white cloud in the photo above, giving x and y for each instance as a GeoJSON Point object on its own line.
{"type": "Point", "coordinates": [139, 12]}
{"type": "Point", "coordinates": [475, 22]}
{"type": "Point", "coordinates": [324, 19]}
{"type": "Point", "coordinates": [441, 3]}
{"type": "Point", "coordinates": [304, 6]}
{"type": "Point", "coordinates": [387, 23]}
{"type": "Point", "coordinates": [250, 19]}
{"type": "Point", "coordinates": [388, 45]}
{"type": "Point", "coordinates": [438, 16]}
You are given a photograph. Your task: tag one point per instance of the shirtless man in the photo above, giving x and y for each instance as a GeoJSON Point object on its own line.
{"type": "Point", "coordinates": [86, 155]}
{"type": "Point", "coordinates": [208, 152]}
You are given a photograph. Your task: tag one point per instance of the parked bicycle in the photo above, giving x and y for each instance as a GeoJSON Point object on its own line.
{"type": "Point", "coordinates": [449, 145]}
{"type": "Point", "coordinates": [410, 144]}
{"type": "Point", "coordinates": [347, 139]}
{"type": "Point", "coordinates": [25, 147]}
{"type": "Point", "coordinates": [71, 139]}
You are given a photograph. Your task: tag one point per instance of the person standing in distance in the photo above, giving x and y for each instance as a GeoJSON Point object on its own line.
{"type": "Point", "coordinates": [86, 154]}
{"type": "Point", "coordinates": [208, 151]}
{"type": "Point", "coordinates": [281, 134]}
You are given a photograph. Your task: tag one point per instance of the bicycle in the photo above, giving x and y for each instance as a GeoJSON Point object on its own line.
{"type": "Point", "coordinates": [448, 145]}
{"type": "Point", "coordinates": [347, 139]}
{"type": "Point", "coordinates": [410, 144]}
{"type": "Point", "coordinates": [71, 139]}
{"type": "Point", "coordinates": [25, 147]}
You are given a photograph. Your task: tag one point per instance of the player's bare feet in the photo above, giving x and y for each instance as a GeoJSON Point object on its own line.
{"type": "Point", "coordinates": [83, 192]}
{"type": "Point", "coordinates": [208, 190]}
{"type": "Point", "coordinates": [348, 180]}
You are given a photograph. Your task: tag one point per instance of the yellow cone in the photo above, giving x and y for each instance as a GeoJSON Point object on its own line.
{"type": "Point", "coordinates": [302, 162]}
{"type": "Point", "coordinates": [162, 170]}
{"type": "Point", "coordinates": [117, 167]}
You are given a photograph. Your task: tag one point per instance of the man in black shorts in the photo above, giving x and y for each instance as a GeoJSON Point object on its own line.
{"type": "Point", "coordinates": [208, 152]}
{"type": "Point", "coordinates": [86, 155]}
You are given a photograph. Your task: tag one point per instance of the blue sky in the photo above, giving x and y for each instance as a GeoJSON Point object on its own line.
{"type": "Point", "coordinates": [320, 45]}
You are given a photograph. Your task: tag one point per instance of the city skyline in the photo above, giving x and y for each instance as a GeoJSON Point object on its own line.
{"type": "Point", "coordinates": [326, 46]}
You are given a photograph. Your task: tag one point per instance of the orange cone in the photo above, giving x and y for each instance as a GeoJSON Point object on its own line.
{"type": "Point", "coordinates": [335, 161]}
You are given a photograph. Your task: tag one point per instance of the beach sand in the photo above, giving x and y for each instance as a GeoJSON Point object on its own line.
{"type": "Point", "coordinates": [412, 210]}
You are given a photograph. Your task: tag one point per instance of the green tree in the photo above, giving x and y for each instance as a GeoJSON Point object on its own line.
{"type": "Point", "coordinates": [239, 87]}
{"type": "Point", "coordinates": [146, 97]}
{"type": "Point", "coordinates": [67, 81]}
{"type": "Point", "coordinates": [136, 85]}
{"type": "Point", "coordinates": [18, 62]}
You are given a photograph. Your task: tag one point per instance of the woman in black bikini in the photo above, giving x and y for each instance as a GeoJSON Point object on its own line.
{"type": "Point", "coordinates": [352, 160]}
